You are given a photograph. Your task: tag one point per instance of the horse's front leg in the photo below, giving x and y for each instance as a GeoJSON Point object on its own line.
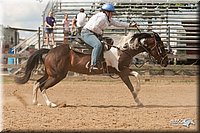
{"type": "Point", "coordinates": [124, 75]}
{"type": "Point", "coordinates": [137, 76]}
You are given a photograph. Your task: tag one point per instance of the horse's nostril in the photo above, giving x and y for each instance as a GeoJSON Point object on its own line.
{"type": "Point", "coordinates": [126, 45]}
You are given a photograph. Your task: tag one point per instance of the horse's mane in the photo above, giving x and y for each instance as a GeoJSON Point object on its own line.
{"type": "Point", "coordinates": [146, 35]}
{"type": "Point", "coordinates": [141, 35]}
{"type": "Point", "coordinates": [158, 38]}
{"type": "Point", "coordinates": [136, 37]}
{"type": "Point", "coordinates": [124, 39]}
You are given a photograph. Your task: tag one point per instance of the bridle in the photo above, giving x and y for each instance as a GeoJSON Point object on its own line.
{"type": "Point", "coordinates": [156, 44]}
{"type": "Point", "coordinates": [158, 50]}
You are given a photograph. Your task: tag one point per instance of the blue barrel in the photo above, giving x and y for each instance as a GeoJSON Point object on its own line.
{"type": "Point", "coordinates": [10, 60]}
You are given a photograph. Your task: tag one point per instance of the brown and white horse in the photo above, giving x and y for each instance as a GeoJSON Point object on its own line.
{"type": "Point", "coordinates": [59, 60]}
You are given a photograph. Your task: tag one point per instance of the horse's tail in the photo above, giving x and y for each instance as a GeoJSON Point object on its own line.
{"type": "Point", "coordinates": [32, 63]}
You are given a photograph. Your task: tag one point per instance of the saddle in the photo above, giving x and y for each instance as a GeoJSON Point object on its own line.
{"type": "Point", "coordinates": [78, 45]}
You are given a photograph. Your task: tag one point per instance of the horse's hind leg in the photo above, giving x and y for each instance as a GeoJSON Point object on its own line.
{"type": "Point", "coordinates": [46, 98]}
{"type": "Point", "coordinates": [51, 81]}
{"type": "Point", "coordinates": [36, 86]}
{"type": "Point", "coordinates": [35, 90]}
{"type": "Point", "coordinates": [124, 75]}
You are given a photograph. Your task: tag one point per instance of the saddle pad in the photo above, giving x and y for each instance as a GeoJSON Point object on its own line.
{"type": "Point", "coordinates": [79, 46]}
{"type": "Point", "coordinates": [82, 51]}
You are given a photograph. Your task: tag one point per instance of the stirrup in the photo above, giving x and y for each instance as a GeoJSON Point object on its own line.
{"type": "Point", "coordinates": [91, 68]}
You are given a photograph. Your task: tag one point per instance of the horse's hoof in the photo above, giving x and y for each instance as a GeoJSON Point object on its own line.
{"type": "Point", "coordinates": [36, 103]}
{"type": "Point", "coordinates": [52, 105]}
{"type": "Point", "coordinates": [39, 104]}
{"type": "Point", "coordinates": [140, 105]}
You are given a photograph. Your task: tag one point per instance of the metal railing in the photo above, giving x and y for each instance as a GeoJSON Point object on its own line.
{"type": "Point", "coordinates": [53, 6]}
{"type": "Point", "coordinates": [21, 47]}
{"type": "Point", "coordinates": [175, 21]}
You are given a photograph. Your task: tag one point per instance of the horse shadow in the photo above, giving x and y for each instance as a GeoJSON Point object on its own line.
{"type": "Point", "coordinates": [124, 106]}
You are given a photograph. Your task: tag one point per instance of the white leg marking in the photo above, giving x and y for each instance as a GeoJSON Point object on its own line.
{"type": "Point", "coordinates": [48, 102]}
{"type": "Point", "coordinates": [137, 76]}
{"type": "Point", "coordinates": [138, 102]}
{"type": "Point", "coordinates": [35, 90]}
{"type": "Point", "coordinates": [138, 87]}
{"type": "Point", "coordinates": [137, 99]}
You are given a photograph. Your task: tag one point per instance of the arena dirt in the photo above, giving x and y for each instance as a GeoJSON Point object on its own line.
{"type": "Point", "coordinates": [101, 103]}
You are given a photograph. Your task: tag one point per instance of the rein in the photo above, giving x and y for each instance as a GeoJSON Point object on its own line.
{"type": "Point", "coordinates": [114, 46]}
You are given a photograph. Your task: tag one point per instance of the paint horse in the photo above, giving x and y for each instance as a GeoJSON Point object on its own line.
{"type": "Point", "coordinates": [62, 59]}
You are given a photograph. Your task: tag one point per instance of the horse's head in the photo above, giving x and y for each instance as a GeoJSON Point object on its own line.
{"type": "Point", "coordinates": [162, 52]}
{"type": "Point", "coordinates": [152, 44]}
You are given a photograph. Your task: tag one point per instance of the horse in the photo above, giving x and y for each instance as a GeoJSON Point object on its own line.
{"type": "Point", "coordinates": [60, 60]}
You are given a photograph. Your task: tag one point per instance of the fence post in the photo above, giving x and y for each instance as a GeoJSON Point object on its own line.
{"type": "Point", "coordinates": [125, 31]}
{"type": "Point", "coordinates": [147, 75]}
{"type": "Point", "coordinates": [60, 5]}
{"type": "Point", "coordinates": [168, 35]}
{"type": "Point", "coordinates": [39, 37]}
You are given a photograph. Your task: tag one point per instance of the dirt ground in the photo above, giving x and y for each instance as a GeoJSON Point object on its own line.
{"type": "Point", "coordinates": [99, 103]}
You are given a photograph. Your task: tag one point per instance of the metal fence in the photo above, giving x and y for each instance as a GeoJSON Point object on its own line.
{"type": "Point", "coordinates": [176, 21]}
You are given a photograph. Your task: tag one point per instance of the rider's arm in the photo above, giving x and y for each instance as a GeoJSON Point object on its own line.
{"type": "Point", "coordinates": [119, 24]}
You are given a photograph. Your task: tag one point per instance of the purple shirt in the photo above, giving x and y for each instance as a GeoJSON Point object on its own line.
{"type": "Point", "coordinates": [50, 21]}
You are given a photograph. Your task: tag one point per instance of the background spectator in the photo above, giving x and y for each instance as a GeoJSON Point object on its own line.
{"type": "Point", "coordinates": [79, 21]}
{"type": "Point", "coordinates": [50, 24]}
{"type": "Point", "coordinates": [66, 28]}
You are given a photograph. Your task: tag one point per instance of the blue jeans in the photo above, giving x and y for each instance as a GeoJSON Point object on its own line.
{"type": "Point", "coordinates": [94, 42]}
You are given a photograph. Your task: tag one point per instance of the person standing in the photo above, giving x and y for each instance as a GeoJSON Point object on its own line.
{"type": "Point", "coordinates": [94, 28]}
{"type": "Point", "coordinates": [79, 21]}
{"type": "Point", "coordinates": [66, 28]}
{"type": "Point", "coordinates": [50, 24]}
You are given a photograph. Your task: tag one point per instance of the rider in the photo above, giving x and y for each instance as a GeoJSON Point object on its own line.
{"type": "Point", "coordinates": [94, 28]}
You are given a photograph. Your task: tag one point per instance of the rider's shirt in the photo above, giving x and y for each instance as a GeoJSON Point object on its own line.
{"type": "Point", "coordinates": [98, 22]}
